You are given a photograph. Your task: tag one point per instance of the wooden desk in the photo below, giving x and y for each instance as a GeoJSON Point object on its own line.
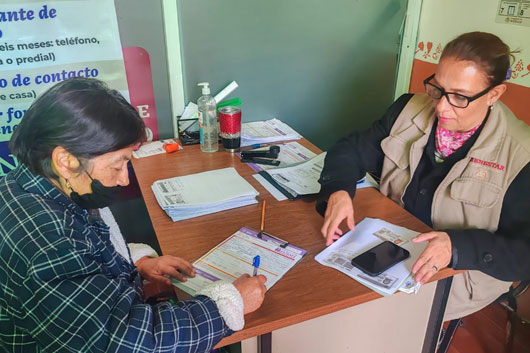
{"type": "Point", "coordinates": [309, 290]}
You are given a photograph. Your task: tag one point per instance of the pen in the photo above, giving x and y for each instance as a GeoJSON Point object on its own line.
{"type": "Point", "coordinates": [254, 146]}
{"type": "Point", "coordinates": [255, 264]}
{"type": "Point", "coordinates": [263, 215]}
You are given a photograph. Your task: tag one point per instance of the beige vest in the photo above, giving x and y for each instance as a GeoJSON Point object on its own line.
{"type": "Point", "coordinates": [471, 194]}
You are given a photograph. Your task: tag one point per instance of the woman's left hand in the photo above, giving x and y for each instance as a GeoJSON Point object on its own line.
{"type": "Point", "coordinates": [159, 268]}
{"type": "Point", "coordinates": [436, 255]}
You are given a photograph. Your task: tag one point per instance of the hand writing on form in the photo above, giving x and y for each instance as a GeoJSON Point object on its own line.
{"type": "Point", "coordinates": [163, 267]}
{"type": "Point", "coordinates": [339, 208]}
{"type": "Point", "coordinates": [437, 255]}
{"type": "Point", "coordinates": [252, 290]}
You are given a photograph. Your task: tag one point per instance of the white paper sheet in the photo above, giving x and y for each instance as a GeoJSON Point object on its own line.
{"type": "Point", "coordinates": [268, 131]}
{"type": "Point", "coordinates": [270, 188]}
{"type": "Point", "coordinates": [290, 153]}
{"type": "Point", "coordinates": [302, 178]}
{"type": "Point", "coordinates": [152, 148]}
{"type": "Point", "coordinates": [369, 233]}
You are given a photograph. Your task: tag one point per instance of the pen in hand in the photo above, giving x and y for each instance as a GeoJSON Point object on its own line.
{"type": "Point", "coordinates": [255, 261]}
{"type": "Point", "coordinates": [255, 264]}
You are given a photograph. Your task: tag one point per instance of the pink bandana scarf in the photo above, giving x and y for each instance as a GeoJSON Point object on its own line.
{"type": "Point", "coordinates": [449, 141]}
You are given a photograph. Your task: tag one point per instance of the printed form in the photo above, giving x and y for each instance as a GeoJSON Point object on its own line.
{"type": "Point", "coordinates": [302, 178]}
{"type": "Point", "coordinates": [233, 258]}
{"type": "Point", "coordinates": [290, 153]}
{"type": "Point", "coordinates": [268, 131]}
{"type": "Point", "coordinates": [369, 233]}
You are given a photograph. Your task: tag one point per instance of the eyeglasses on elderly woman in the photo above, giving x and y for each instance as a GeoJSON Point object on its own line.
{"type": "Point", "coordinates": [455, 99]}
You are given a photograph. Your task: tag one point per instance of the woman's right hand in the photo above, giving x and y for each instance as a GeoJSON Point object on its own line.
{"type": "Point", "coordinates": [340, 207]}
{"type": "Point", "coordinates": [252, 290]}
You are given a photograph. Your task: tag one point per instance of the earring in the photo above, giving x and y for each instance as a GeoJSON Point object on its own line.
{"type": "Point", "coordinates": [68, 186]}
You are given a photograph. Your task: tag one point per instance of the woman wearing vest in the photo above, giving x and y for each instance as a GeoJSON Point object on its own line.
{"type": "Point", "coordinates": [456, 158]}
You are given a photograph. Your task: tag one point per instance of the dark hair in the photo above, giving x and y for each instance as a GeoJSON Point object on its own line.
{"type": "Point", "coordinates": [486, 50]}
{"type": "Point", "coordinates": [81, 115]}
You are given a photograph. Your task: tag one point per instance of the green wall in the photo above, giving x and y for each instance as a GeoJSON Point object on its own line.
{"type": "Point", "coordinates": [324, 67]}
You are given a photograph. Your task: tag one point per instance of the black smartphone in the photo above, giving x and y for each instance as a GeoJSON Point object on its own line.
{"type": "Point", "coordinates": [380, 258]}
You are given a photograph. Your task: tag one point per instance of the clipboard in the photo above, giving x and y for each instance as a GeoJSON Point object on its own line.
{"type": "Point", "coordinates": [233, 257]}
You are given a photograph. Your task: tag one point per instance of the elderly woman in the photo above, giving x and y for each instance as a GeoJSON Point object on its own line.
{"type": "Point", "coordinates": [64, 284]}
{"type": "Point", "coordinates": [456, 158]}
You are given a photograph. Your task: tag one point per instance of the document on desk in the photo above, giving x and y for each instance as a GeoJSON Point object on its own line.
{"type": "Point", "coordinates": [291, 153]}
{"type": "Point", "coordinates": [233, 258]}
{"type": "Point", "coordinates": [152, 148]}
{"type": "Point", "coordinates": [369, 233]}
{"type": "Point", "coordinates": [268, 131]}
{"type": "Point", "coordinates": [297, 179]}
{"type": "Point", "coordinates": [203, 193]}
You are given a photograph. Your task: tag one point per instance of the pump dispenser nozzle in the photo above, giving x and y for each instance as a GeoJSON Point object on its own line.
{"type": "Point", "coordinates": [205, 88]}
{"type": "Point", "coordinates": [209, 134]}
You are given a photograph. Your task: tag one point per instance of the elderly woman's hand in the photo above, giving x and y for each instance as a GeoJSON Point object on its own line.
{"type": "Point", "coordinates": [436, 255]}
{"type": "Point", "coordinates": [340, 207]}
{"type": "Point", "coordinates": [159, 268]}
{"type": "Point", "coordinates": [252, 290]}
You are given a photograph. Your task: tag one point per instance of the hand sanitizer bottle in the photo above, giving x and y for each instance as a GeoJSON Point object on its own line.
{"type": "Point", "coordinates": [208, 120]}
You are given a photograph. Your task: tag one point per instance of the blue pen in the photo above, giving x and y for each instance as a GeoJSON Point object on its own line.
{"type": "Point", "coordinates": [254, 146]}
{"type": "Point", "coordinates": [255, 263]}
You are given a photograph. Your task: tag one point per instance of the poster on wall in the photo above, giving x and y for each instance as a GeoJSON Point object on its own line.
{"type": "Point", "coordinates": [46, 42]}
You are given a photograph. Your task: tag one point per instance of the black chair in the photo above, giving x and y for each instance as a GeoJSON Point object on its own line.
{"type": "Point", "coordinates": [507, 300]}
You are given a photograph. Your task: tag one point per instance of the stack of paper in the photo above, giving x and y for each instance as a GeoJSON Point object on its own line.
{"type": "Point", "coordinates": [203, 193]}
{"type": "Point", "coordinates": [268, 131]}
{"type": "Point", "coordinates": [369, 233]}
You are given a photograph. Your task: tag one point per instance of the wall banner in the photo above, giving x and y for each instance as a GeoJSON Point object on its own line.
{"type": "Point", "coordinates": [45, 42]}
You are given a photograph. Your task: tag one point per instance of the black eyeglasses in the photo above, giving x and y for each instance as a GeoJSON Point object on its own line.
{"type": "Point", "coordinates": [455, 99]}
